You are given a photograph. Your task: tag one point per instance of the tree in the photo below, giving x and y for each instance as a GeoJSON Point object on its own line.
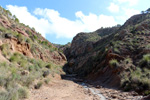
{"type": "Point", "coordinates": [148, 10]}
{"type": "Point", "coordinates": [142, 12]}
{"type": "Point", "coordinates": [15, 18]}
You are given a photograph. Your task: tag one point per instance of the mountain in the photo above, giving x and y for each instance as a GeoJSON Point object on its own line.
{"type": "Point", "coordinates": [26, 58]}
{"type": "Point", "coordinates": [114, 57]}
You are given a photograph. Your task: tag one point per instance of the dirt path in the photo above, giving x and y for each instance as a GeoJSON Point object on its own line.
{"type": "Point", "coordinates": [59, 89]}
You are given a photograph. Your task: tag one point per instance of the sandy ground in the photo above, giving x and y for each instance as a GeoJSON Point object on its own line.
{"type": "Point", "coordinates": [59, 89]}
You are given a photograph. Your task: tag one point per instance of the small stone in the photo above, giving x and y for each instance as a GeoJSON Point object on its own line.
{"type": "Point", "coordinates": [113, 96]}
{"type": "Point", "coordinates": [25, 72]}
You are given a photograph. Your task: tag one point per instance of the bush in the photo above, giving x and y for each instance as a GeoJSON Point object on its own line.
{"type": "Point", "coordinates": [147, 92]}
{"type": "Point", "coordinates": [2, 81]}
{"type": "Point", "coordinates": [28, 40]}
{"type": "Point", "coordinates": [5, 49]}
{"type": "Point", "coordinates": [27, 80]}
{"type": "Point", "coordinates": [128, 60]}
{"type": "Point", "coordinates": [35, 37]}
{"type": "Point", "coordinates": [113, 63]}
{"type": "Point", "coordinates": [48, 66]}
{"type": "Point", "coordinates": [3, 29]}
{"type": "Point", "coordinates": [23, 93]}
{"type": "Point", "coordinates": [145, 62]}
{"type": "Point", "coordinates": [15, 57]}
{"type": "Point", "coordinates": [31, 68]}
{"type": "Point", "coordinates": [40, 63]}
{"type": "Point", "coordinates": [137, 81]}
{"type": "Point", "coordinates": [3, 95]}
{"type": "Point", "coordinates": [38, 85]}
{"type": "Point", "coordinates": [21, 38]}
{"type": "Point", "coordinates": [12, 93]}
{"type": "Point", "coordinates": [46, 73]}
{"type": "Point", "coordinates": [44, 42]}
{"type": "Point", "coordinates": [47, 80]}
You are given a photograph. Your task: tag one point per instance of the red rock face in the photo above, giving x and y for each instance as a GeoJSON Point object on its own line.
{"type": "Point", "coordinates": [16, 46]}
{"type": "Point", "coordinates": [25, 47]}
{"type": "Point", "coordinates": [21, 32]}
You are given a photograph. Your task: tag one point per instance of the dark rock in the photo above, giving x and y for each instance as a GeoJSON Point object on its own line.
{"type": "Point", "coordinates": [8, 35]}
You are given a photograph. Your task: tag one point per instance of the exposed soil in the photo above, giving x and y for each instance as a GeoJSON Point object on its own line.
{"type": "Point", "coordinates": [59, 89]}
{"type": "Point", "coordinates": [68, 89]}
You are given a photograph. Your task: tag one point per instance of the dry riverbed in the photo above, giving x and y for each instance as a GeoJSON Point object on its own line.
{"type": "Point", "coordinates": [61, 89]}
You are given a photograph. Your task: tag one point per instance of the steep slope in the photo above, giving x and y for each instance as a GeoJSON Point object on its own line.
{"type": "Point", "coordinates": [120, 59]}
{"type": "Point", "coordinates": [83, 42]}
{"type": "Point", "coordinates": [26, 58]}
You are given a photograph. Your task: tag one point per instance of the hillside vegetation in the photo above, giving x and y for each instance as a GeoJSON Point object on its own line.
{"type": "Point", "coordinates": [26, 58]}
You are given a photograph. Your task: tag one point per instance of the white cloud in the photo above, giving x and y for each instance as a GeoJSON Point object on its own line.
{"type": "Point", "coordinates": [41, 25]}
{"type": "Point", "coordinates": [93, 22]}
{"type": "Point", "coordinates": [126, 15]}
{"type": "Point", "coordinates": [131, 12]}
{"type": "Point", "coordinates": [52, 23]}
{"type": "Point", "coordinates": [113, 8]}
{"type": "Point", "coordinates": [131, 2]}
{"type": "Point", "coordinates": [124, 9]}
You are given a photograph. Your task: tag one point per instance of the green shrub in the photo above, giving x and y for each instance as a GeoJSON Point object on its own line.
{"type": "Point", "coordinates": [33, 61]}
{"type": "Point", "coordinates": [13, 59]}
{"type": "Point", "coordinates": [47, 80]}
{"type": "Point", "coordinates": [2, 81]}
{"type": "Point", "coordinates": [2, 29]}
{"type": "Point", "coordinates": [20, 37]}
{"type": "Point", "coordinates": [147, 92]}
{"type": "Point", "coordinates": [116, 50]}
{"type": "Point", "coordinates": [38, 85]}
{"type": "Point", "coordinates": [28, 40]}
{"type": "Point", "coordinates": [20, 59]}
{"type": "Point", "coordinates": [3, 95]}
{"type": "Point", "coordinates": [31, 68]}
{"type": "Point", "coordinates": [27, 80]}
{"type": "Point", "coordinates": [14, 74]}
{"type": "Point", "coordinates": [50, 46]}
{"type": "Point", "coordinates": [16, 19]}
{"type": "Point", "coordinates": [23, 93]}
{"type": "Point", "coordinates": [137, 81]}
{"type": "Point", "coordinates": [44, 42]}
{"type": "Point", "coordinates": [35, 37]}
{"type": "Point", "coordinates": [46, 73]}
{"type": "Point", "coordinates": [145, 62]}
{"type": "Point", "coordinates": [12, 93]}
{"type": "Point", "coordinates": [128, 60]}
{"type": "Point", "coordinates": [113, 63]}
{"type": "Point", "coordinates": [48, 66]}
{"type": "Point", "coordinates": [29, 32]}
{"type": "Point", "coordinates": [41, 63]}
{"type": "Point", "coordinates": [5, 49]}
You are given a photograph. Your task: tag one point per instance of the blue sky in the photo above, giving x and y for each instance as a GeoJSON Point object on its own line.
{"type": "Point", "coordinates": [60, 20]}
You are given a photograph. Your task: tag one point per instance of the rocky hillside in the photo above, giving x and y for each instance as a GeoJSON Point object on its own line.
{"type": "Point", "coordinates": [115, 57]}
{"type": "Point", "coordinates": [26, 58]}
{"type": "Point", "coordinates": [83, 42]}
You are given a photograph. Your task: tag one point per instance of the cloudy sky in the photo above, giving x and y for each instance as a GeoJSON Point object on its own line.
{"type": "Point", "coordinates": [60, 20]}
